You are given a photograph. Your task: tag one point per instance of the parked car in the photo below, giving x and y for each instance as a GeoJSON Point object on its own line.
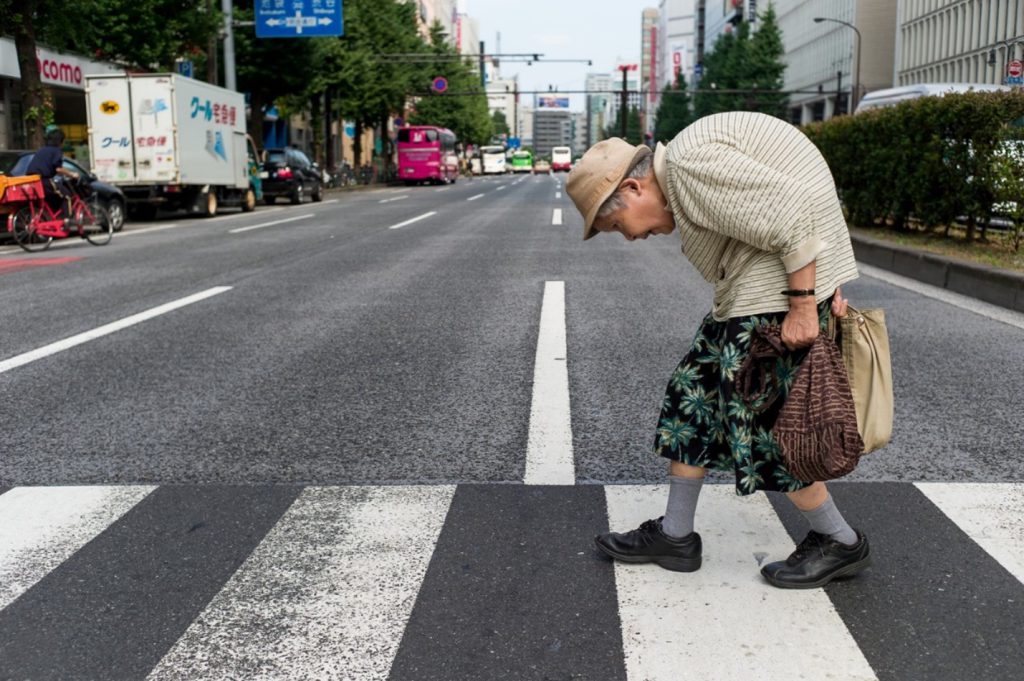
{"type": "Point", "coordinates": [541, 165]}
{"type": "Point", "coordinates": [289, 172]}
{"type": "Point", "coordinates": [13, 163]}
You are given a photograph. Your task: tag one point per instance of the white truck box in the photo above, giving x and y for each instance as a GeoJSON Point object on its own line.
{"type": "Point", "coordinates": [168, 133]}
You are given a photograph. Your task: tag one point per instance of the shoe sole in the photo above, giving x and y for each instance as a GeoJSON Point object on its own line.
{"type": "Point", "coordinates": [848, 571]}
{"type": "Point", "coordinates": [669, 563]}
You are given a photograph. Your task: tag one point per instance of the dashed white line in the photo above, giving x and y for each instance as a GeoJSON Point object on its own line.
{"type": "Point", "coordinates": [549, 456]}
{"type": "Point", "coordinates": [271, 223]}
{"type": "Point", "coordinates": [500, 188]}
{"type": "Point", "coordinates": [395, 198]}
{"type": "Point", "coordinates": [474, 198]}
{"type": "Point", "coordinates": [78, 339]}
{"type": "Point", "coordinates": [412, 220]}
{"type": "Point", "coordinates": [558, 195]}
{"type": "Point", "coordinates": [556, 217]}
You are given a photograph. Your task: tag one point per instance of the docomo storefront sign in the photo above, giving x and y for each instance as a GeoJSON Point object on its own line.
{"type": "Point", "coordinates": [60, 70]}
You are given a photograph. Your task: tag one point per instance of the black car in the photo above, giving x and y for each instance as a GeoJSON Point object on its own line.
{"type": "Point", "coordinates": [13, 163]}
{"type": "Point", "coordinates": [289, 172]}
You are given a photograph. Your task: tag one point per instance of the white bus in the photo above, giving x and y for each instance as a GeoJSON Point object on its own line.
{"type": "Point", "coordinates": [894, 95]}
{"type": "Point", "coordinates": [492, 159]}
{"type": "Point", "coordinates": [561, 159]}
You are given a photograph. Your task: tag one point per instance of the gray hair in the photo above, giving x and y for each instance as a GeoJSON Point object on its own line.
{"type": "Point", "coordinates": [643, 168]}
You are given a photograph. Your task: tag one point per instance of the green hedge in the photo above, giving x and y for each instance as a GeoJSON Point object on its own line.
{"type": "Point", "coordinates": [931, 158]}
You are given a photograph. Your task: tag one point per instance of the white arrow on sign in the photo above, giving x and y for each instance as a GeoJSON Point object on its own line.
{"type": "Point", "coordinates": [274, 22]}
{"type": "Point", "coordinates": [326, 21]}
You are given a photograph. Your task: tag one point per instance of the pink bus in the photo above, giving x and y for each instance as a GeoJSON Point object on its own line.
{"type": "Point", "coordinates": [427, 154]}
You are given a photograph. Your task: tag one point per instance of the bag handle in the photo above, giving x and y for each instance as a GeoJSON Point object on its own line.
{"type": "Point", "coordinates": [765, 344]}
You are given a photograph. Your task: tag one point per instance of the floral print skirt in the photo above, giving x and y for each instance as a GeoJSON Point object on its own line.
{"type": "Point", "coordinates": [704, 422]}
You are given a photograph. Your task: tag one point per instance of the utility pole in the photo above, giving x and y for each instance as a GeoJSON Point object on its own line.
{"type": "Point", "coordinates": [624, 108]}
{"type": "Point", "coordinates": [483, 74]}
{"type": "Point", "coordinates": [839, 94]}
{"type": "Point", "coordinates": [515, 109]}
{"type": "Point", "coordinates": [212, 76]}
{"type": "Point", "coordinates": [229, 46]}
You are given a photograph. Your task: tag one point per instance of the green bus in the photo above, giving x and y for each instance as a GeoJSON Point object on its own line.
{"type": "Point", "coordinates": [522, 162]}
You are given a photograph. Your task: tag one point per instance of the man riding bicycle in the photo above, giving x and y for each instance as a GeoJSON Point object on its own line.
{"type": "Point", "coordinates": [48, 163]}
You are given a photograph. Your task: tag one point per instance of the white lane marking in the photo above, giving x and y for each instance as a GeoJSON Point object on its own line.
{"type": "Point", "coordinates": [500, 188]}
{"type": "Point", "coordinates": [78, 339]}
{"type": "Point", "coordinates": [330, 587]}
{"type": "Point", "coordinates": [44, 526]}
{"type": "Point", "coordinates": [558, 195]}
{"type": "Point", "coordinates": [394, 198]}
{"type": "Point", "coordinates": [1000, 314]}
{"type": "Point", "coordinates": [147, 230]}
{"type": "Point", "coordinates": [239, 230]}
{"type": "Point", "coordinates": [412, 220]}
{"type": "Point", "coordinates": [715, 603]}
{"type": "Point", "coordinates": [556, 217]}
{"type": "Point", "coordinates": [549, 456]}
{"type": "Point", "coordinates": [992, 514]}
{"type": "Point", "coordinates": [441, 189]}
{"type": "Point", "coordinates": [474, 198]}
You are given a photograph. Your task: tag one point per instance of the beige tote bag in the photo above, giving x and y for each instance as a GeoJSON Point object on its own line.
{"type": "Point", "coordinates": [864, 343]}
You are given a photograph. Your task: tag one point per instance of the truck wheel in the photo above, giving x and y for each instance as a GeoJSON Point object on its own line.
{"type": "Point", "coordinates": [208, 204]}
{"type": "Point", "coordinates": [249, 201]}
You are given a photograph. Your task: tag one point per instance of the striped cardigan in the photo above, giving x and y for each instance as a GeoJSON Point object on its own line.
{"type": "Point", "coordinates": [754, 200]}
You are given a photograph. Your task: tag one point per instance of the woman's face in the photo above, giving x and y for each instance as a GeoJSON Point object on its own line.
{"type": "Point", "coordinates": [643, 214]}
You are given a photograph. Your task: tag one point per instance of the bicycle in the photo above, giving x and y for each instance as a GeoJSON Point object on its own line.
{"type": "Point", "coordinates": [35, 224]}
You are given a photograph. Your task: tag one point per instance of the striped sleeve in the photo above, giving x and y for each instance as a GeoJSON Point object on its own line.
{"type": "Point", "coordinates": [724, 190]}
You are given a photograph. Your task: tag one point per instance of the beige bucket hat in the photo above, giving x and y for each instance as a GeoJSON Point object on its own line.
{"type": "Point", "coordinates": [598, 174]}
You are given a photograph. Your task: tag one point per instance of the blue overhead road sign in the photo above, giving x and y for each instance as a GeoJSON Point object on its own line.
{"type": "Point", "coordinates": [298, 18]}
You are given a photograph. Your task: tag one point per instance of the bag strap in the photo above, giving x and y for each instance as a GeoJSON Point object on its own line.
{"type": "Point", "coordinates": [765, 347]}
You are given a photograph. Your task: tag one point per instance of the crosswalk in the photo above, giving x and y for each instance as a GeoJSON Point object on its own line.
{"type": "Point", "coordinates": [481, 582]}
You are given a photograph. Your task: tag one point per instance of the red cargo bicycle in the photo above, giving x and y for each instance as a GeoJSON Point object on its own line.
{"type": "Point", "coordinates": [35, 224]}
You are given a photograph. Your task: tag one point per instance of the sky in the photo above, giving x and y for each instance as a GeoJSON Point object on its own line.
{"type": "Point", "coordinates": [604, 31]}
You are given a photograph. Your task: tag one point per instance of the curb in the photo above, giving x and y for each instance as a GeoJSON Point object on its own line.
{"type": "Point", "coordinates": [990, 284]}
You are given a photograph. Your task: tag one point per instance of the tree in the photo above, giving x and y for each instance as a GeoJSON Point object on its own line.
{"type": "Point", "coordinates": [499, 123]}
{"type": "Point", "coordinates": [634, 131]}
{"type": "Point", "coordinates": [744, 72]}
{"type": "Point", "coordinates": [674, 111]}
{"type": "Point", "coordinates": [464, 111]}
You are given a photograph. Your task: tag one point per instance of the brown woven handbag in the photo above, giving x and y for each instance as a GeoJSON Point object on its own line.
{"type": "Point", "coordinates": [817, 426]}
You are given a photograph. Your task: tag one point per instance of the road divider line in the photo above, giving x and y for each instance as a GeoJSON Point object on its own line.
{"type": "Point", "coordinates": [271, 223]}
{"type": "Point", "coordinates": [412, 220]}
{"type": "Point", "coordinates": [107, 329]}
{"type": "Point", "coordinates": [396, 198]}
{"type": "Point", "coordinates": [549, 456]}
{"type": "Point", "coordinates": [558, 195]}
{"type": "Point", "coordinates": [474, 198]}
{"type": "Point", "coordinates": [147, 230]}
{"type": "Point", "coordinates": [556, 217]}
{"type": "Point", "coordinates": [500, 188]}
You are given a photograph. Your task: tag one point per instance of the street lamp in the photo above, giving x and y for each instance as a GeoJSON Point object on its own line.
{"type": "Point", "coordinates": [856, 77]}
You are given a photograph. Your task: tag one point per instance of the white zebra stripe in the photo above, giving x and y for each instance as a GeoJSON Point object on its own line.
{"type": "Point", "coordinates": [724, 621]}
{"type": "Point", "coordinates": [326, 594]}
{"type": "Point", "coordinates": [41, 527]}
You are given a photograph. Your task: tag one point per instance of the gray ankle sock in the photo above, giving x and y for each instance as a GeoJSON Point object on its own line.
{"type": "Point", "coordinates": [826, 519]}
{"type": "Point", "coordinates": [682, 504]}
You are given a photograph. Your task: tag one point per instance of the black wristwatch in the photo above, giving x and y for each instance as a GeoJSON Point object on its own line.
{"type": "Point", "coordinates": [798, 292]}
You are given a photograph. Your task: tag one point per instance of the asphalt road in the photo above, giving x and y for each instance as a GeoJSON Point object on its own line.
{"type": "Point", "coordinates": [301, 435]}
{"type": "Point", "coordinates": [349, 352]}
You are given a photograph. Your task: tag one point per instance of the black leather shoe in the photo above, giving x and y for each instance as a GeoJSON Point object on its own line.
{"type": "Point", "coordinates": [818, 560]}
{"type": "Point", "coordinates": [648, 544]}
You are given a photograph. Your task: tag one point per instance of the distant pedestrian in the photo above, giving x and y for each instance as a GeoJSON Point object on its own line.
{"type": "Point", "coordinates": [759, 218]}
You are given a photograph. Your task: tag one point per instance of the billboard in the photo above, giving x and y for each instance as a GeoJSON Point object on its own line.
{"type": "Point", "coordinates": [551, 102]}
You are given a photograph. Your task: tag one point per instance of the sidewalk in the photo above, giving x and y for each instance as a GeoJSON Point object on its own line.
{"type": "Point", "coordinates": [991, 284]}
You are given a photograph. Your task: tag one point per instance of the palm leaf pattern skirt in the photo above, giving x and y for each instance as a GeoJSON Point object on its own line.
{"type": "Point", "coordinates": [705, 423]}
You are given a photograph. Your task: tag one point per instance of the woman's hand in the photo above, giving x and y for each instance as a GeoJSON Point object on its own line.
{"type": "Point", "coordinates": [839, 304]}
{"type": "Point", "coordinates": [800, 326]}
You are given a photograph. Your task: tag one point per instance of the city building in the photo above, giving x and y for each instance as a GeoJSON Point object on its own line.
{"type": "Point", "coordinates": [526, 125]}
{"type": "Point", "coordinates": [552, 127]}
{"type": "Point", "coordinates": [598, 87]}
{"type": "Point", "coordinates": [467, 34]}
{"type": "Point", "coordinates": [63, 78]}
{"type": "Point", "coordinates": [821, 58]}
{"type": "Point", "coordinates": [677, 36]}
{"type": "Point", "coordinates": [956, 41]}
{"type": "Point", "coordinates": [650, 80]}
{"type": "Point", "coordinates": [579, 133]}
{"type": "Point", "coordinates": [501, 96]}
{"type": "Point", "coordinates": [444, 11]}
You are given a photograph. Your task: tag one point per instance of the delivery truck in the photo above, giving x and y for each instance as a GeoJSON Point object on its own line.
{"type": "Point", "coordinates": [171, 142]}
